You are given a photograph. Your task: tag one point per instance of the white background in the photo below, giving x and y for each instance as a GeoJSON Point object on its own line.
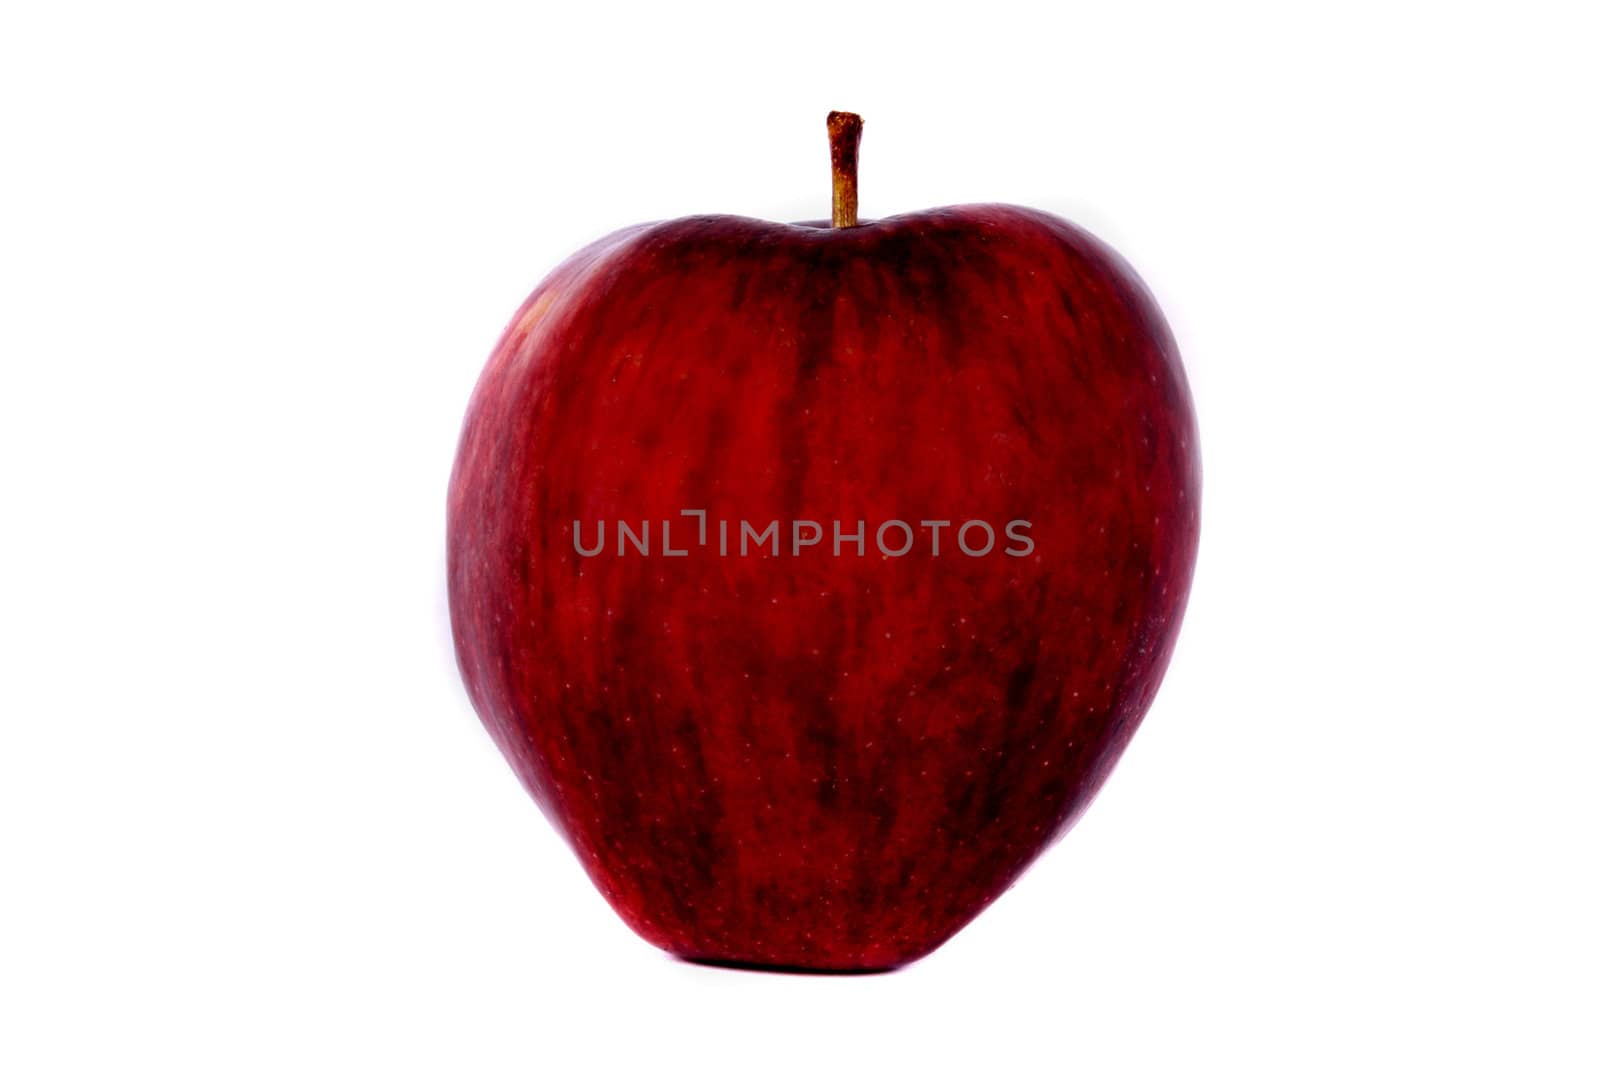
{"type": "Point", "coordinates": [251, 264]}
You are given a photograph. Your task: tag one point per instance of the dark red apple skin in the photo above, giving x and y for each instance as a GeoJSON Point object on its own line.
{"type": "Point", "coordinates": [820, 762]}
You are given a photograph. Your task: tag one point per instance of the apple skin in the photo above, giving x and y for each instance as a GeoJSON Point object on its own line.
{"type": "Point", "coordinates": [816, 762]}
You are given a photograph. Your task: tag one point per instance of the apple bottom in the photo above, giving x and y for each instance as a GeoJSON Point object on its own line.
{"type": "Point", "coordinates": [829, 934]}
{"type": "Point", "coordinates": [848, 885]}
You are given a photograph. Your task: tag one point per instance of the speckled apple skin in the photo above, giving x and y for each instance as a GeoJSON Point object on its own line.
{"type": "Point", "coordinates": [820, 762]}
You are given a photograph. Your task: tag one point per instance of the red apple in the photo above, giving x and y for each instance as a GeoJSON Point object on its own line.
{"type": "Point", "coordinates": [806, 750]}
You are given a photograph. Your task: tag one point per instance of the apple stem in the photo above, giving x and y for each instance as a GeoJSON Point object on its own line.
{"type": "Point", "coordinates": [844, 141]}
